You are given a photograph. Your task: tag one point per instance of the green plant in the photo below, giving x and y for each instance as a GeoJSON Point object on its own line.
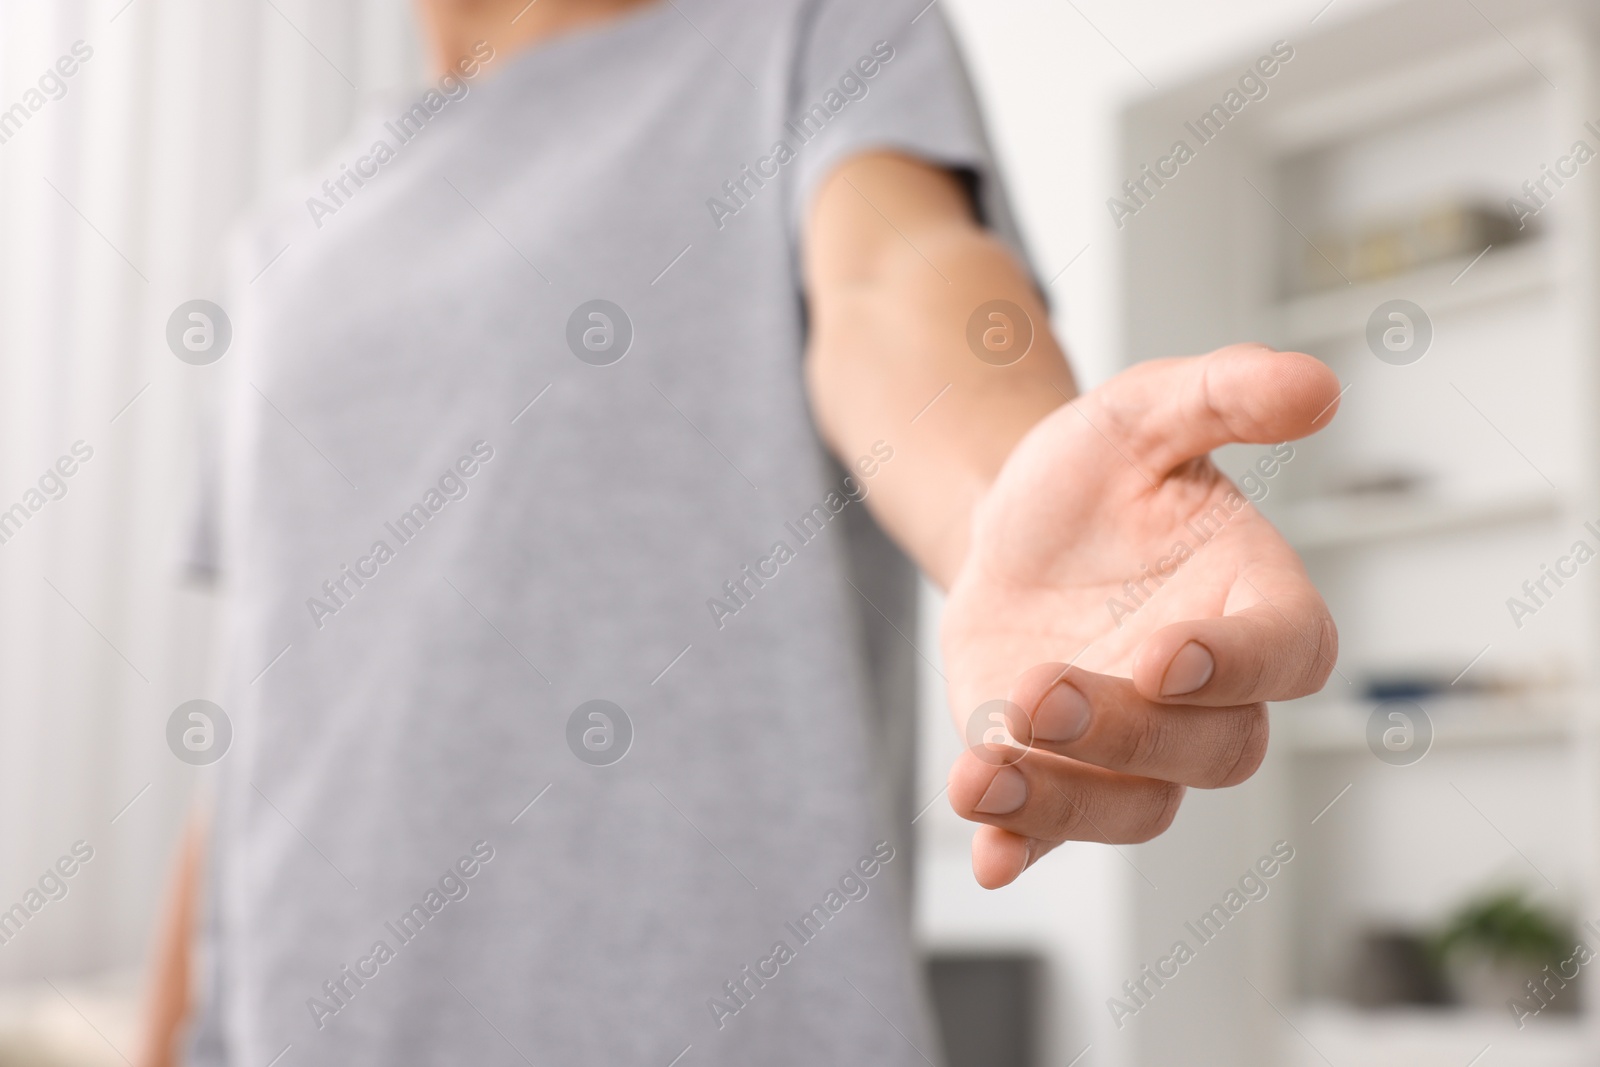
{"type": "Point", "coordinates": [1504, 926]}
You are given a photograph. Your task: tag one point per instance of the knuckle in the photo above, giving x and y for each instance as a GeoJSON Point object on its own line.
{"type": "Point", "coordinates": [1138, 743]}
{"type": "Point", "coordinates": [1327, 654]}
{"type": "Point", "coordinates": [1260, 669]}
{"type": "Point", "coordinates": [1244, 748]}
{"type": "Point", "coordinates": [1314, 655]}
{"type": "Point", "coordinates": [1071, 822]}
{"type": "Point", "coordinates": [1315, 676]}
{"type": "Point", "coordinates": [1068, 819]}
{"type": "Point", "coordinates": [1165, 800]}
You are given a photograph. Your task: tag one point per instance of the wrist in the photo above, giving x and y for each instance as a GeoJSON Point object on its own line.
{"type": "Point", "coordinates": [1008, 421]}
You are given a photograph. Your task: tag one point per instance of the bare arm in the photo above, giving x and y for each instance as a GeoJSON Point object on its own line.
{"type": "Point", "coordinates": [895, 267]}
{"type": "Point", "coordinates": [167, 993]}
{"type": "Point", "coordinates": [1117, 608]}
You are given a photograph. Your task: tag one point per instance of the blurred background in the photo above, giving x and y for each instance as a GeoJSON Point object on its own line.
{"type": "Point", "coordinates": [1407, 190]}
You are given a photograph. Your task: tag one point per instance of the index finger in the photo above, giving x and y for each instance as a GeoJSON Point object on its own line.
{"type": "Point", "coordinates": [1103, 720]}
{"type": "Point", "coordinates": [1281, 647]}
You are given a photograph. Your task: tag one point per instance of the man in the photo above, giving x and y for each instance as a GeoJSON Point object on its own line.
{"type": "Point", "coordinates": [584, 743]}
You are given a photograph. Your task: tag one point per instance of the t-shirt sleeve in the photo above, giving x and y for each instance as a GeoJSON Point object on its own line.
{"type": "Point", "coordinates": [887, 76]}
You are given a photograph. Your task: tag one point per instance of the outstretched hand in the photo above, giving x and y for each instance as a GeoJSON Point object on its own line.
{"type": "Point", "coordinates": [1131, 606]}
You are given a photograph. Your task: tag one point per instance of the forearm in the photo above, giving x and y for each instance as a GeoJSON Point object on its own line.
{"type": "Point", "coordinates": [168, 992]}
{"type": "Point", "coordinates": [890, 357]}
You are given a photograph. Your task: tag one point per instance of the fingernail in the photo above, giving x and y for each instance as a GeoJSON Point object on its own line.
{"type": "Point", "coordinates": [1063, 715]}
{"type": "Point", "coordinates": [1005, 794]}
{"type": "Point", "coordinates": [1190, 669]}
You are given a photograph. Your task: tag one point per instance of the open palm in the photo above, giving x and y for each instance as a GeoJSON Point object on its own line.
{"type": "Point", "coordinates": [1132, 606]}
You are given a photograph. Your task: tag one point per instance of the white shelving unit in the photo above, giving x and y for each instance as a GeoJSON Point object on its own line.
{"type": "Point", "coordinates": [1519, 270]}
{"type": "Point", "coordinates": [1495, 435]}
{"type": "Point", "coordinates": [1424, 1038]}
{"type": "Point", "coordinates": [1337, 727]}
{"type": "Point", "coordinates": [1316, 525]}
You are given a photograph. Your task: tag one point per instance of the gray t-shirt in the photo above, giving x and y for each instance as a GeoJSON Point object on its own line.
{"type": "Point", "coordinates": [521, 427]}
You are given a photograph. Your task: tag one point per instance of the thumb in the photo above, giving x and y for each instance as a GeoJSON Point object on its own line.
{"type": "Point", "coordinates": [1171, 411]}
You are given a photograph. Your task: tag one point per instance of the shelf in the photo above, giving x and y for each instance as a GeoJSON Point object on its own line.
{"type": "Point", "coordinates": [1458, 721]}
{"type": "Point", "coordinates": [1336, 522]}
{"type": "Point", "coordinates": [1506, 272]}
{"type": "Point", "coordinates": [1412, 517]}
{"type": "Point", "coordinates": [1446, 1037]}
